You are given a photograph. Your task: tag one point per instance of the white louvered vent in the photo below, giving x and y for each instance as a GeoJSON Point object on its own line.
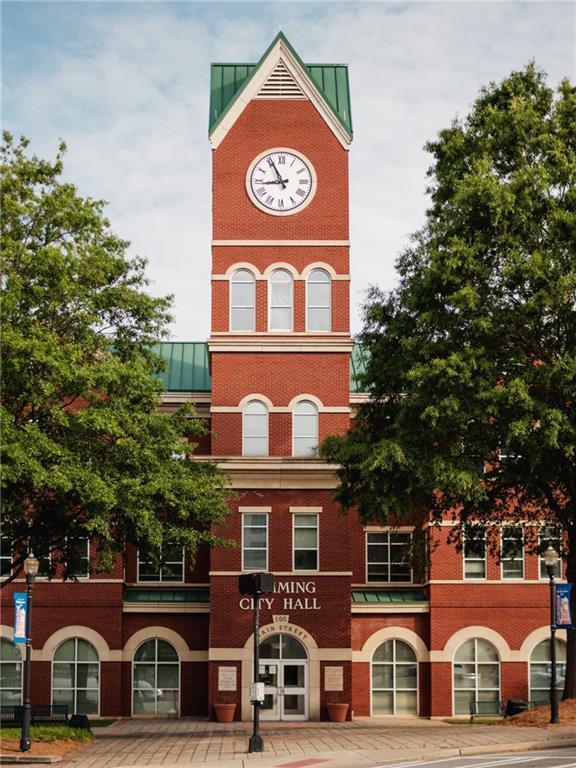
{"type": "Point", "coordinates": [280, 85]}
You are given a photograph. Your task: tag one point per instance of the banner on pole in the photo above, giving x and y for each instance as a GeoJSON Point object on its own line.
{"type": "Point", "coordinates": [20, 608]}
{"type": "Point", "coordinates": [562, 614]}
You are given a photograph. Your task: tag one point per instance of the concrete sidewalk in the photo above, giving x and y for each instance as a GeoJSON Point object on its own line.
{"type": "Point", "coordinates": [362, 743]}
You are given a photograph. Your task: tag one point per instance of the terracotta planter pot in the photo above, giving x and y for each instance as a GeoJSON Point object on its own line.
{"type": "Point", "coordinates": [225, 712]}
{"type": "Point", "coordinates": [337, 712]}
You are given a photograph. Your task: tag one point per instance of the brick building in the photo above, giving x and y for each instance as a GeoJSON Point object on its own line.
{"type": "Point", "coordinates": [350, 619]}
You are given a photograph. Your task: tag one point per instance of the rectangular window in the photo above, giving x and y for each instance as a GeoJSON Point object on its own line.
{"type": "Point", "coordinates": [549, 536]}
{"type": "Point", "coordinates": [512, 552]}
{"type": "Point", "coordinates": [171, 567]}
{"type": "Point", "coordinates": [387, 557]}
{"type": "Point", "coordinates": [475, 553]}
{"type": "Point", "coordinates": [80, 548]}
{"type": "Point", "coordinates": [254, 542]}
{"type": "Point", "coordinates": [305, 542]}
{"type": "Point", "coordinates": [5, 555]}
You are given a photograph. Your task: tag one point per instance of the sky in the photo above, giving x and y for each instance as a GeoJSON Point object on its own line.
{"type": "Point", "coordinates": [126, 85]}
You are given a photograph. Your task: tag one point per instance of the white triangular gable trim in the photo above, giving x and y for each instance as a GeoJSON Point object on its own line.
{"type": "Point", "coordinates": [279, 53]}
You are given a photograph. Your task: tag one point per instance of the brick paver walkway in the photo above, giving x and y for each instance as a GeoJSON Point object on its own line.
{"type": "Point", "coordinates": [363, 742]}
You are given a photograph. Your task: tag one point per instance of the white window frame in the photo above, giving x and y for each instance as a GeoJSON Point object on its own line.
{"type": "Point", "coordinates": [328, 307]}
{"type": "Point", "coordinates": [280, 306]}
{"type": "Point", "coordinates": [466, 559]}
{"type": "Point", "coordinates": [266, 414]}
{"type": "Point", "coordinates": [263, 513]}
{"type": "Point", "coordinates": [504, 559]}
{"type": "Point", "coordinates": [76, 663]}
{"type": "Point", "coordinates": [242, 306]}
{"type": "Point", "coordinates": [559, 666]}
{"type": "Point", "coordinates": [295, 516]}
{"type": "Point", "coordinates": [156, 663]}
{"type": "Point", "coordinates": [557, 541]}
{"type": "Point", "coordinates": [476, 689]}
{"type": "Point", "coordinates": [316, 416]}
{"type": "Point", "coordinates": [163, 563]}
{"type": "Point", "coordinates": [394, 663]}
{"type": "Point", "coordinates": [86, 575]}
{"type": "Point", "coordinates": [387, 532]}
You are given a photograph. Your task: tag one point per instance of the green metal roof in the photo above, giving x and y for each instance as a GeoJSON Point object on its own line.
{"type": "Point", "coordinates": [331, 80]}
{"type": "Point", "coordinates": [142, 595]}
{"type": "Point", "coordinates": [389, 596]}
{"type": "Point", "coordinates": [186, 366]}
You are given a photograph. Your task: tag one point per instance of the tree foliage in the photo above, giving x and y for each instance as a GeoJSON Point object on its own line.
{"type": "Point", "coordinates": [85, 451]}
{"type": "Point", "coordinates": [472, 358]}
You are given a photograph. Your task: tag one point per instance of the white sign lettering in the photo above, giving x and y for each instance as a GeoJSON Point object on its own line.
{"type": "Point", "coordinates": [286, 603]}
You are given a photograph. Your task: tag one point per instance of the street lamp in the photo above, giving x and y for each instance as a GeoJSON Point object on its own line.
{"type": "Point", "coordinates": [551, 558]}
{"type": "Point", "coordinates": [30, 569]}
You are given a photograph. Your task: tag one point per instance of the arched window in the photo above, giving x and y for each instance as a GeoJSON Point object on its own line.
{"type": "Point", "coordinates": [10, 674]}
{"type": "Point", "coordinates": [156, 679]}
{"type": "Point", "coordinates": [476, 677]}
{"type": "Point", "coordinates": [242, 301]}
{"type": "Point", "coordinates": [255, 429]}
{"type": "Point", "coordinates": [540, 671]}
{"type": "Point", "coordinates": [281, 296]}
{"type": "Point", "coordinates": [305, 429]}
{"type": "Point", "coordinates": [76, 676]}
{"type": "Point", "coordinates": [318, 301]}
{"type": "Point", "coordinates": [394, 679]}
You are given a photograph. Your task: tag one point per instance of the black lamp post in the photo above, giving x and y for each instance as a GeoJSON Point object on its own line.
{"type": "Point", "coordinates": [256, 584]}
{"type": "Point", "coordinates": [551, 559]}
{"type": "Point", "coordinates": [30, 569]}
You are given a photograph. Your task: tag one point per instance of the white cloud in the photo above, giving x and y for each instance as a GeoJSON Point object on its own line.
{"type": "Point", "coordinates": [129, 93]}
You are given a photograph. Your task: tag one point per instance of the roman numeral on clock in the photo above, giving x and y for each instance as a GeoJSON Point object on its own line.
{"type": "Point", "coordinates": [280, 204]}
{"type": "Point", "coordinates": [269, 200]}
{"type": "Point", "coordinates": [300, 192]}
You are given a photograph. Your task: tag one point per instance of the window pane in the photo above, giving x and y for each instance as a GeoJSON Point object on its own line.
{"type": "Point", "coordinates": [63, 675]}
{"type": "Point", "coordinates": [282, 295]}
{"type": "Point", "coordinates": [87, 702]}
{"type": "Point", "coordinates": [377, 573]}
{"type": "Point", "coordinates": [318, 295]}
{"type": "Point", "coordinates": [464, 676]}
{"type": "Point", "coordinates": [242, 319]}
{"type": "Point", "coordinates": [466, 652]}
{"type": "Point", "coordinates": [292, 648]}
{"type": "Point", "coordinates": [146, 652]}
{"type": "Point", "coordinates": [305, 425]}
{"type": "Point", "coordinates": [406, 703]}
{"type": "Point", "coordinates": [167, 701]}
{"type": "Point", "coordinates": [305, 446]}
{"type": "Point", "coordinates": [8, 651]}
{"type": "Point", "coordinates": [384, 652]}
{"type": "Point", "coordinates": [383, 703]}
{"type": "Point", "coordinates": [64, 697]}
{"type": "Point", "coordinates": [462, 701]}
{"type": "Point", "coordinates": [254, 560]}
{"type": "Point", "coordinates": [404, 652]}
{"type": "Point", "coordinates": [280, 319]}
{"type": "Point", "coordinates": [255, 425]}
{"type": "Point", "coordinates": [382, 676]}
{"type": "Point", "coordinates": [10, 675]}
{"type": "Point", "coordinates": [305, 538]}
{"type": "Point", "coordinates": [242, 295]}
{"type": "Point", "coordinates": [475, 569]}
{"type": "Point", "coordinates": [168, 676]}
{"type": "Point", "coordinates": [270, 648]}
{"type": "Point", "coordinates": [87, 675]}
{"type": "Point", "coordinates": [144, 675]}
{"type": "Point", "coordinates": [486, 651]}
{"type": "Point", "coordinates": [512, 569]}
{"type": "Point", "coordinates": [166, 652]}
{"type": "Point", "coordinates": [400, 572]}
{"type": "Point", "coordinates": [86, 651]}
{"type": "Point", "coordinates": [66, 651]}
{"type": "Point", "coordinates": [318, 319]}
{"type": "Point", "coordinates": [10, 697]}
{"type": "Point", "coordinates": [255, 446]}
{"type": "Point", "coordinates": [377, 554]}
{"type": "Point", "coordinates": [255, 538]}
{"type": "Point", "coordinates": [406, 676]}
{"type": "Point", "coordinates": [306, 560]}
{"type": "Point", "coordinates": [488, 676]}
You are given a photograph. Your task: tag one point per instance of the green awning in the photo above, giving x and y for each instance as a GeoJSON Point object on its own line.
{"type": "Point", "coordinates": [144, 595]}
{"type": "Point", "coordinates": [389, 596]}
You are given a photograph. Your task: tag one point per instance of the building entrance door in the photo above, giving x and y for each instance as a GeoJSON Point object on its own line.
{"type": "Point", "coordinates": [284, 671]}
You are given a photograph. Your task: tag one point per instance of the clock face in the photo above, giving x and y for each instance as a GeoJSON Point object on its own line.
{"type": "Point", "coordinates": [281, 181]}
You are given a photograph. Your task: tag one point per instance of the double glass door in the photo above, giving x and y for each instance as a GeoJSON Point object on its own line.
{"type": "Point", "coordinates": [286, 687]}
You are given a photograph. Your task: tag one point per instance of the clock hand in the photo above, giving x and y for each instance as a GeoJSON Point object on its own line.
{"type": "Point", "coordinates": [278, 176]}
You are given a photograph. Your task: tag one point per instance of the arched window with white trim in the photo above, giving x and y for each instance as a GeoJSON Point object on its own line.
{"type": "Point", "coordinates": [76, 676]}
{"type": "Point", "coordinates": [156, 679]}
{"type": "Point", "coordinates": [255, 429]}
{"type": "Point", "coordinates": [394, 679]}
{"type": "Point", "coordinates": [305, 429]}
{"type": "Point", "coordinates": [242, 301]}
{"type": "Point", "coordinates": [281, 300]}
{"type": "Point", "coordinates": [318, 301]}
{"type": "Point", "coordinates": [10, 674]}
{"type": "Point", "coordinates": [477, 677]}
{"type": "Point", "coordinates": [540, 670]}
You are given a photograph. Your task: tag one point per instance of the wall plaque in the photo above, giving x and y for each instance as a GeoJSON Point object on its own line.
{"type": "Point", "coordinates": [226, 678]}
{"type": "Point", "coordinates": [333, 678]}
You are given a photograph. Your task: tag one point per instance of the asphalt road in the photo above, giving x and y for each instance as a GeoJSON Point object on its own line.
{"type": "Point", "coordinates": [553, 758]}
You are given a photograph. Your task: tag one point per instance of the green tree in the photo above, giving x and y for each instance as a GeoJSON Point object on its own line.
{"type": "Point", "coordinates": [85, 451]}
{"type": "Point", "coordinates": [472, 358]}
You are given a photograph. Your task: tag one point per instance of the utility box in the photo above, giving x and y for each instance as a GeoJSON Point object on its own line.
{"type": "Point", "coordinates": [257, 692]}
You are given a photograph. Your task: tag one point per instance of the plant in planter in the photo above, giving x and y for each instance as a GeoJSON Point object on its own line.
{"type": "Point", "coordinates": [225, 712]}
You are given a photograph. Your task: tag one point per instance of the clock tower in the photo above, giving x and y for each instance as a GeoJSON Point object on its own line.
{"type": "Point", "coordinates": [280, 359]}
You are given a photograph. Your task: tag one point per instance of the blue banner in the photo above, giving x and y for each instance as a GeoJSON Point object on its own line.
{"type": "Point", "coordinates": [562, 613]}
{"type": "Point", "coordinates": [20, 608]}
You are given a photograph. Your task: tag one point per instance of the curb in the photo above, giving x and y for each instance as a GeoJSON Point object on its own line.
{"type": "Point", "coordinates": [29, 759]}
